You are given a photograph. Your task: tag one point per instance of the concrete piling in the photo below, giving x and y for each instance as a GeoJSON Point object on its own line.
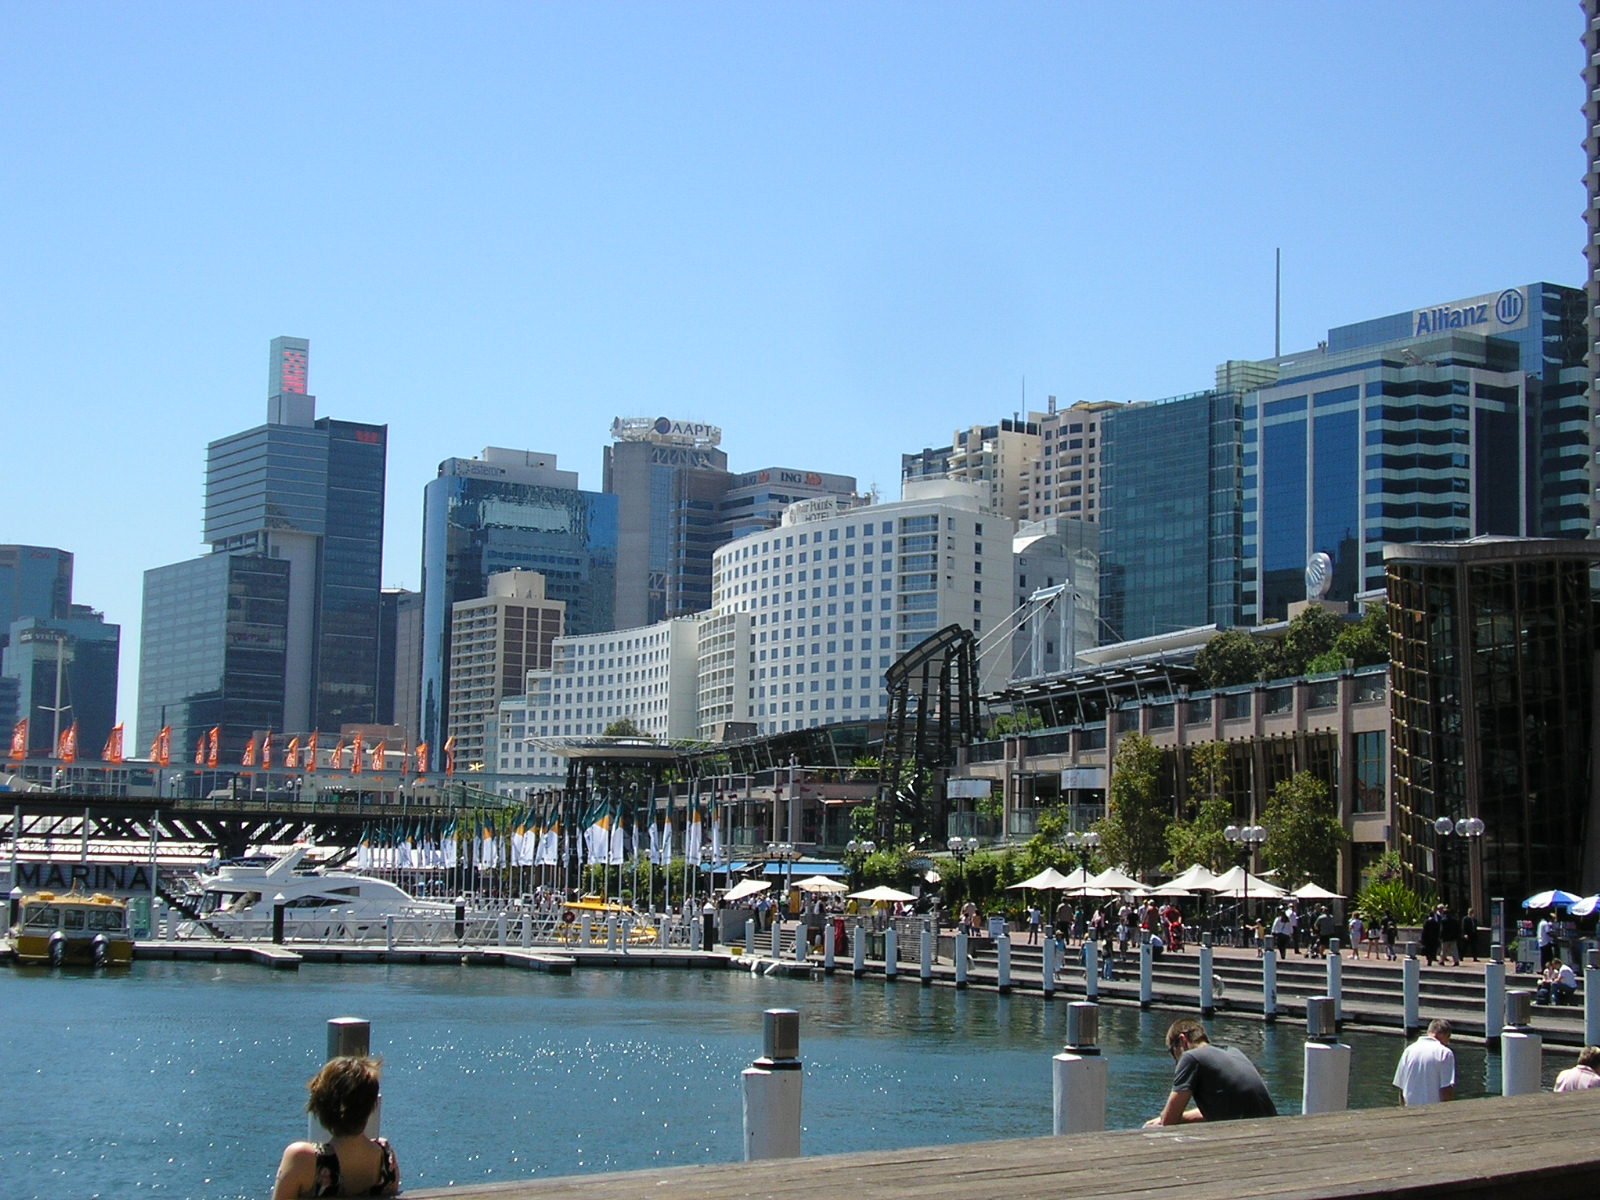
{"type": "Point", "coordinates": [772, 1090]}
{"type": "Point", "coordinates": [1326, 1084]}
{"type": "Point", "coordinates": [1079, 1074]}
{"type": "Point", "coordinates": [1521, 1050]}
{"type": "Point", "coordinates": [961, 958]}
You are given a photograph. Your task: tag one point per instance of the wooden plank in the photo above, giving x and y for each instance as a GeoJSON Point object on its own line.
{"type": "Point", "coordinates": [1474, 1149]}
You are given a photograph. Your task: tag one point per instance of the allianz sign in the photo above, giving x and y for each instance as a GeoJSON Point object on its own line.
{"type": "Point", "coordinates": [1500, 314]}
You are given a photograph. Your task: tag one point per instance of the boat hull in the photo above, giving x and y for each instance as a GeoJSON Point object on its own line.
{"type": "Point", "coordinates": [42, 949]}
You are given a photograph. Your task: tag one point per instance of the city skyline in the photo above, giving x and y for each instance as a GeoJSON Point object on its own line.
{"type": "Point", "coordinates": [511, 229]}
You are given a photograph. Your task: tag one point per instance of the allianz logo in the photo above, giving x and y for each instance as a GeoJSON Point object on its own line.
{"type": "Point", "coordinates": [1508, 308]}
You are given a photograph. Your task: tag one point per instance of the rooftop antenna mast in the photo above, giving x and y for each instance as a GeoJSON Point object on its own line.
{"type": "Point", "coordinates": [1277, 302]}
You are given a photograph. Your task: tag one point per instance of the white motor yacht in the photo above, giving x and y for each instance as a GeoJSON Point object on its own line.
{"type": "Point", "coordinates": [236, 901]}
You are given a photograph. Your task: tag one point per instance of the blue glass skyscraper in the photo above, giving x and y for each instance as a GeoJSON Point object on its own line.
{"type": "Point", "coordinates": [508, 510]}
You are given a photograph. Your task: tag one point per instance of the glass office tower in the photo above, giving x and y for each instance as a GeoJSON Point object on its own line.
{"type": "Point", "coordinates": [508, 510]}
{"type": "Point", "coordinates": [1169, 515]}
{"type": "Point", "coordinates": [309, 493]}
{"type": "Point", "coordinates": [1436, 424]}
{"type": "Point", "coordinates": [1492, 712]}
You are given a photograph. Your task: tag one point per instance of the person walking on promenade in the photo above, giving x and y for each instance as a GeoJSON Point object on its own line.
{"type": "Point", "coordinates": [342, 1097]}
{"type": "Point", "coordinates": [1358, 932]}
{"type": "Point", "coordinates": [1063, 920]}
{"type": "Point", "coordinates": [1426, 1072]}
{"type": "Point", "coordinates": [1431, 937]}
{"type": "Point", "coordinates": [1546, 933]}
{"type": "Point", "coordinates": [1469, 933]}
{"type": "Point", "coordinates": [1282, 932]}
{"type": "Point", "coordinates": [1223, 1084]}
{"type": "Point", "coordinates": [1585, 1075]}
{"type": "Point", "coordinates": [1391, 933]}
{"type": "Point", "coordinates": [1450, 937]}
{"type": "Point", "coordinates": [1035, 918]}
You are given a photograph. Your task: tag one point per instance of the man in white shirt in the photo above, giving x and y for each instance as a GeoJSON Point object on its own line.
{"type": "Point", "coordinates": [1585, 1075]}
{"type": "Point", "coordinates": [1426, 1073]}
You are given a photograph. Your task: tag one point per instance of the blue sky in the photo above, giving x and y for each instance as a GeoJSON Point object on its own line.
{"type": "Point", "coordinates": [838, 231]}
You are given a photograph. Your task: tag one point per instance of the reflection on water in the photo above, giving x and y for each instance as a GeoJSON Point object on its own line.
{"type": "Point", "coordinates": [187, 1080]}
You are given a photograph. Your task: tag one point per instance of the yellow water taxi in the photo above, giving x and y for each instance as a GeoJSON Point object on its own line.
{"type": "Point", "coordinates": [641, 932]}
{"type": "Point", "coordinates": [73, 927]}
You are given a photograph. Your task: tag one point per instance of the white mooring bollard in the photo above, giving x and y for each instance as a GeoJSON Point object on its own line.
{"type": "Point", "coordinates": [1411, 989]}
{"type": "Point", "coordinates": [1336, 980]}
{"type": "Point", "coordinates": [1049, 968]}
{"type": "Point", "coordinates": [1269, 984]}
{"type": "Point", "coordinates": [1002, 967]}
{"type": "Point", "coordinates": [1591, 998]}
{"type": "Point", "coordinates": [1521, 1050]}
{"type": "Point", "coordinates": [348, 1037]}
{"type": "Point", "coordinates": [750, 937]}
{"type": "Point", "coordinates": [1147, 993]}
{"type": "Point", "coordinates": [891, 953]}
{"type": "Point", "coordinates": [1079, 1074]}
{"type": "Point", "coordinates": [1091, 970]}
{"type": "Point", "coordinates": [925, 962]}
{"type": "Point", "coordinates": [830, 932]}
{"type": "Point", "coordinates": [961, 958]}
{"type": "Point", "coordinates": [1208, 1002]}
{"type": "Point", "coordinates": [1326, 1087]}
{"type": "Point", "coordinates": [777, 936]}
{"type": "Point", "coordinates": [1494, 998]}
{"type": "Point", "coordinates": [772, 1090]}
{"type": "Point", "coordinates": [858, 950]}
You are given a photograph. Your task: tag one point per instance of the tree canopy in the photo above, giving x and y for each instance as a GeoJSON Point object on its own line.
{"type": "Point", "coordinates": [1231, 658]}
{"type": "Point", "coordinates": [1199, 837]}
{"type": "Point", "coordinates": [1303, 831]}
{"type": "Point", "coordinates": [1133, 832]}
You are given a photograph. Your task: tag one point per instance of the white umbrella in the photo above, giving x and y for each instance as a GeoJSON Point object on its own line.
{"type": "Point", "coordinates": [1586, 906]}
{"type": "Point", "coordinates": [1196, 879]}
{"type": "Point", "coordinates": [1114, 880]}
{"type": "Point", "coordinates": [821, 883]}
{"type": "Point", "coordinates": [746, 888]}
{"type": "Point", "coordinates": [882, 895]}
{"type": "Point", "coordinates": [1049, 878]}
{"type": "Point", "coordinates": [1554, 898]}
{"type": "Point", "coordinates": [1310, 891]}
{"type": "Point", "coordinates": [1237, 883]}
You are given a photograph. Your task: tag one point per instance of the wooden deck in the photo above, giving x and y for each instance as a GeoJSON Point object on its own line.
{"type": "Point", "coordinates": [1542, 1146]}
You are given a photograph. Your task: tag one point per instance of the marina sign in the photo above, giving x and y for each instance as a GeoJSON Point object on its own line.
{"type": "Point", "coordinates": [92, 877]}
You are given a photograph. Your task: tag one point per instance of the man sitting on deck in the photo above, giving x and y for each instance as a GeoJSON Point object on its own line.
{"type": "Point", "coordinates": [1223, 1083]}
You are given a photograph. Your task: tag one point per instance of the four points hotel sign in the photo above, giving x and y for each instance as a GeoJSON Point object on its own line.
{"type": "Point", "coordinates": [1499, 312]}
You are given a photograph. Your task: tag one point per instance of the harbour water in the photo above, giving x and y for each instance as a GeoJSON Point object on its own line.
{"type": "Point", "coordinates": [182, 1079]}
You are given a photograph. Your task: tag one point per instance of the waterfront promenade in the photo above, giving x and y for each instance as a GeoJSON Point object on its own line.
{"type": "Point", "coordinates": [1544, 1145]}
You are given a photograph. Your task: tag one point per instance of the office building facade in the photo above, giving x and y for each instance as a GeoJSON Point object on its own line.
{"type": "Point", "coordinates": [508, 510]}
{"type": "Point", "coordinates": [1591, 245]}
{"type": "Point", "coordinates": [307, 492]}
{"type": "Point", "coordinates": [213, 651]}
{"type": "Point", "coordinates": [494, 642]}
{"type": "Point", "coordinates": [1170, 516]}
{"type": "Point", "coordinates": [1439, 424]}
{"type": "Point", "coordinates": [66, 673]}
{"type": "Point", "coordinates": [1493, 715]}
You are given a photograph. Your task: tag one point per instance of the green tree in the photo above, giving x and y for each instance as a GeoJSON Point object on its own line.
{"type": "Point", "coordinates": [1017, 722]}
{"type": "Point", "coordinates": [1133, 832]}
{"type": "Point", "coordinates": [1199, 839]}
{"type": "Point", "coordinates": [1310, 634]}
{"type": "Point", "coordinates": [1303, 830]}
{"type": "Point", "coordinates": [1230, 658]}
{"type": "Point", "coordinates": [624, 727]}
{"type": "Point", "coordinates": [1362, 643]}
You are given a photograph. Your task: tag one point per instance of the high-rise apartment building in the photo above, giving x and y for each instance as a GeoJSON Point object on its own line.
{"type": "Point", "coordinates": [1067, 475]}
{"type": "Point", "coordinates": [508, 510]}
{"type": "Point", "coordinates": [308, 493]}
{"type": "Point", "coordinates": [999, 458]}
{"type": "Point", "coordinates": [837, 592]}
{"type": "Point", "coordinates": [1437, 424]}
{"type": "Point", "coordinates": [494, 642]}
{"type": "Point", "coordinates": [1170, 520]}
{"type": "Point", "coordinates": [35, 581]}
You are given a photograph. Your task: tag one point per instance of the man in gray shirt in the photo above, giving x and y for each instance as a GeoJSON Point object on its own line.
{"type": "Point", "coordinates": [1223, 1084]}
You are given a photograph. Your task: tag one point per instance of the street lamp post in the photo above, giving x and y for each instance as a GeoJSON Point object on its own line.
{"type": "Point", "coordinates": [1246, 838]}
{"type": "Point", "coordinates": [961, 847]}
{"type": "Point", "coordinates": [1083, 845]}
{"type": "Point", "coordinates": [859, 850]}
{"type": "Point", "coordinates": [1469, 830]}
{"type": "Point", "coordinates": [785, 853]}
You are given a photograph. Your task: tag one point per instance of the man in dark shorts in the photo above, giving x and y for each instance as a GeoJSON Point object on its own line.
{"type": "Point", "coordinates": [1223, 1083]}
